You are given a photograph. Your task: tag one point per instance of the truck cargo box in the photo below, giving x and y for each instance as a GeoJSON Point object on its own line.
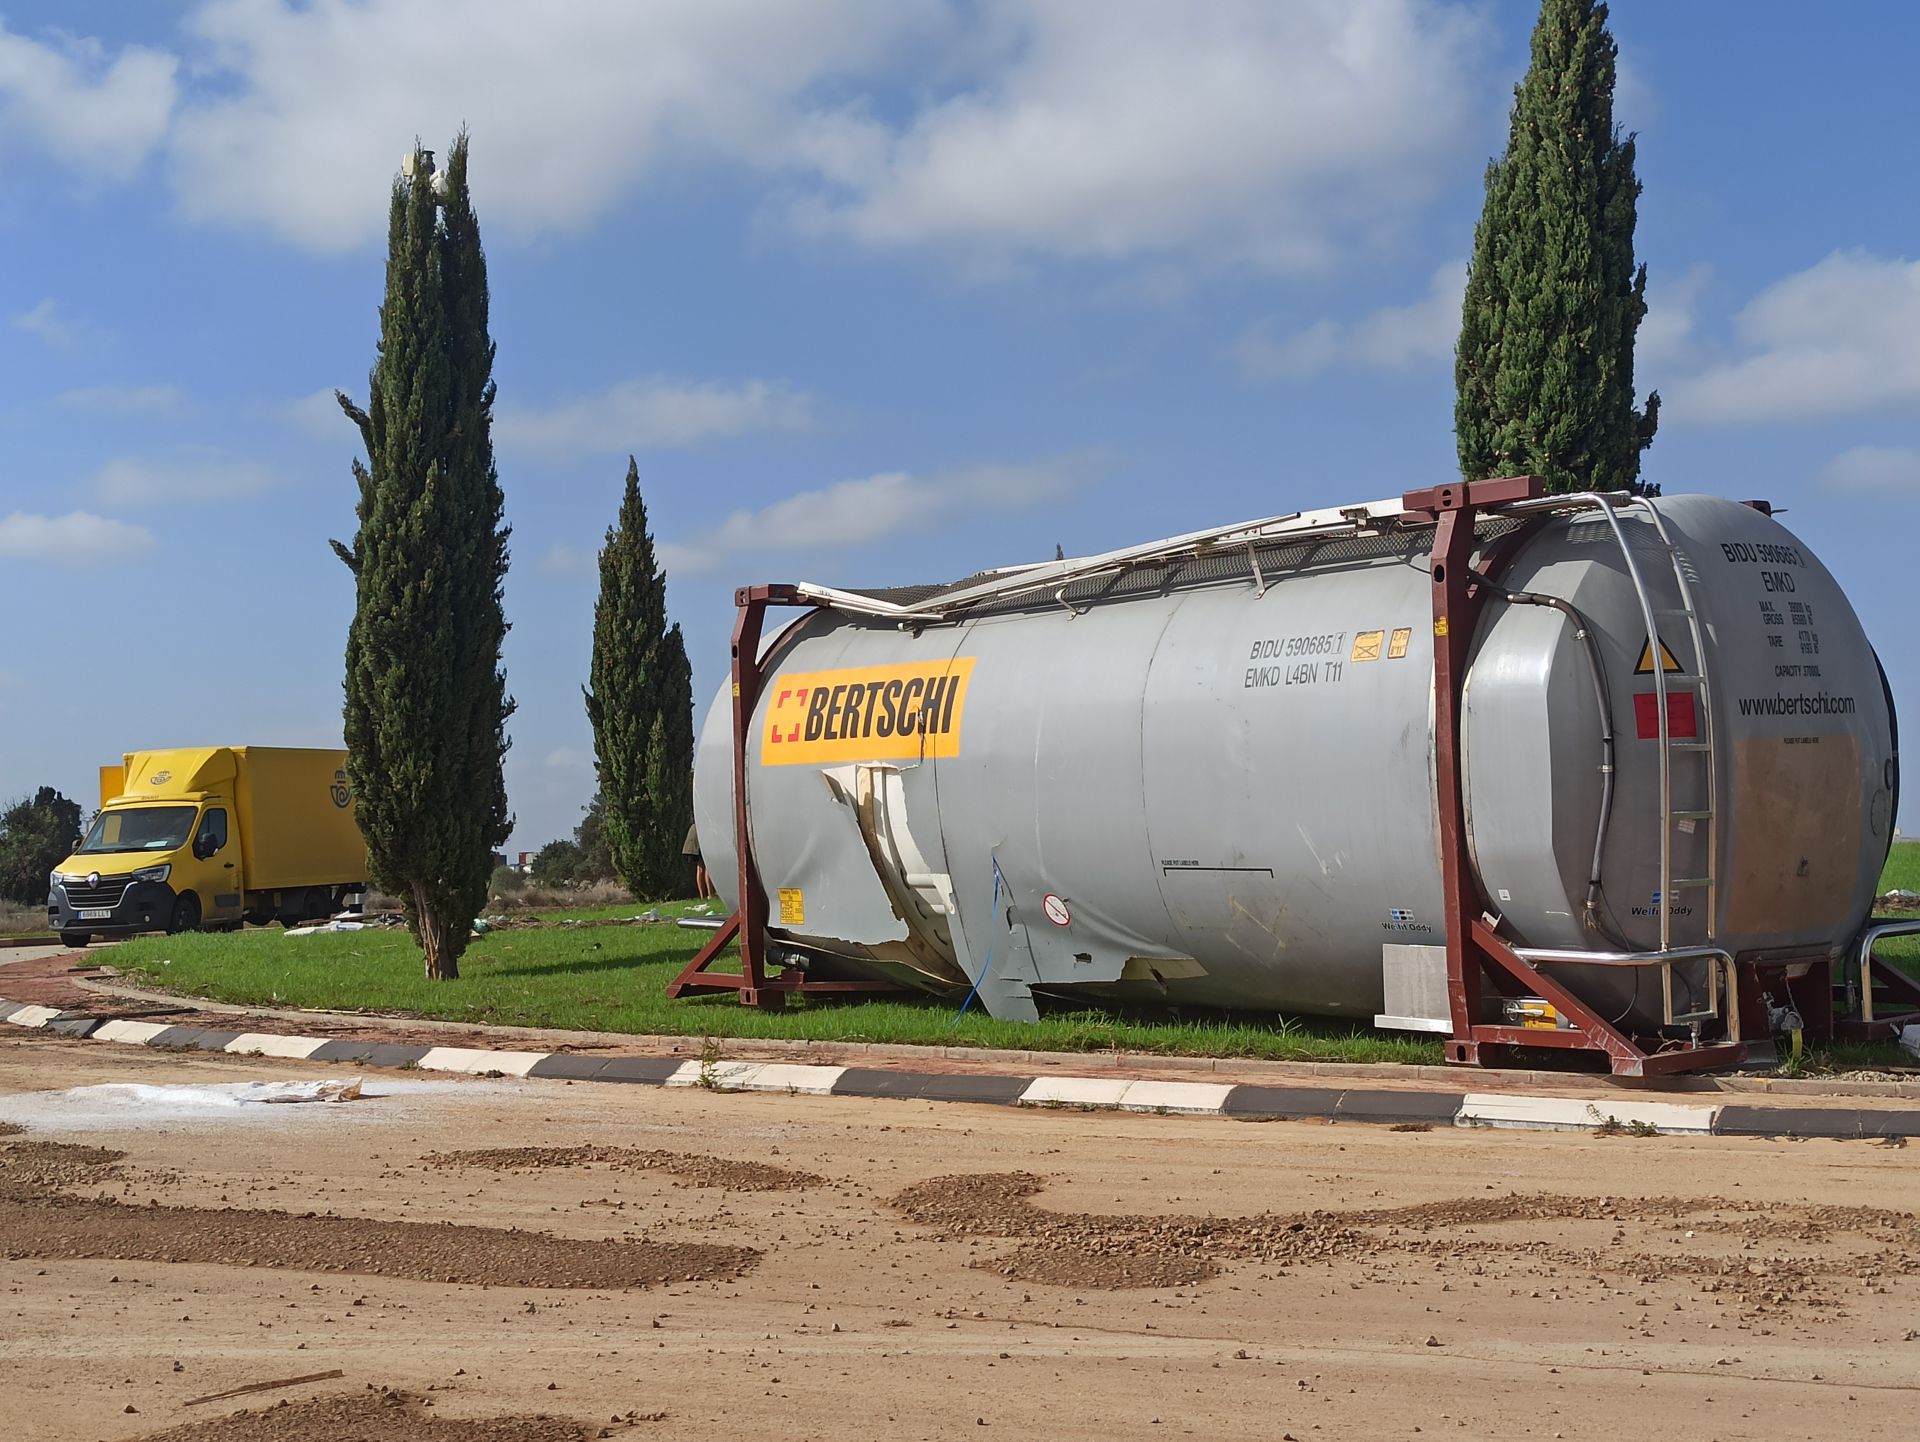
{"type": "Point", "coordinates": [293, 808]}
{"type": "Point", "coordinates": [296, 818]}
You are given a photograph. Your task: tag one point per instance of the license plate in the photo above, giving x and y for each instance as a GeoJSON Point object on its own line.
{"type": "Point", "coordinates": [98, 913]}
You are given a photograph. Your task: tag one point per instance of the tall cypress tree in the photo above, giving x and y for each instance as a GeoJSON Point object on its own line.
{"type": "Point", "coordinates": [670, 762]}
{"type": "Point", "coordinates": [426, 701]}
{"type": "Point", "coordinates": [1544, 368]}
{"type": "Point", "coordinates": [640, 702]}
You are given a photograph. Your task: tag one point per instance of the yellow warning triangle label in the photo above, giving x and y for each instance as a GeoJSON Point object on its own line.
{"type": "Point", "coordinates": [1668, 663]}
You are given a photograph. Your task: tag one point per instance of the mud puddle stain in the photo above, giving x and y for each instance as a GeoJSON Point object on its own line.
{"type": "Point", "coordinates": [382, 1415]}
{"type": "Point", "coordinates": [1765, 1255]}
{"type": "Point", "coordinates": [73, 1227]}
{"type": "Point", "coordinates": [703, 1171]}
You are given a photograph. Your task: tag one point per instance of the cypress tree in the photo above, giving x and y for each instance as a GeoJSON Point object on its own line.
{"type": "Point", "coordinates": [426, 703]}
{"type": "Point", "coordinates": [1544, 368]}
{"type": "Point", "coordinates": [640, 703]}
{"type": "Point", "coordinates": [670, 762]}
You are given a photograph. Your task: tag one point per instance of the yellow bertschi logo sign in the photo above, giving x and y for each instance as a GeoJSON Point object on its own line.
{"type": "Point", "coordinates": [865, 713]}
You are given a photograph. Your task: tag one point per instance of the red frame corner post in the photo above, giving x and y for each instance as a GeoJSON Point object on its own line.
{"type": "Point", "coordinates": [1456, 605]}
{"type": "Point", "coordinates": [1474, 948]}
{"type": "Point", "coordinates": [748, 924]}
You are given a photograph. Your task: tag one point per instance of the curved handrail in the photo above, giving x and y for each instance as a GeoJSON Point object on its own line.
{"type": "Point", "coordinates": [1877, 928]}
{"type": "Point", "coordinates": [1664, 959]}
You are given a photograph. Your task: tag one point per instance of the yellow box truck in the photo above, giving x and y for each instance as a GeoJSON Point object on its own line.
{"type": "Point", "coordinates": [211, 837]}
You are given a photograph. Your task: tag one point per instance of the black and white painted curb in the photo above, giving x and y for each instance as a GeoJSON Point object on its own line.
{"type": "Point", "coordinates": [1247, 1102]}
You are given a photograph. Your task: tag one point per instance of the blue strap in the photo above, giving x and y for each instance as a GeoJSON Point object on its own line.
{"type": "Point", "coordinates": [987, 965]}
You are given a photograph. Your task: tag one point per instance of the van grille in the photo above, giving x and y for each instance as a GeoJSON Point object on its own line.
{"type": "Point", "coordinates": [110, 892]}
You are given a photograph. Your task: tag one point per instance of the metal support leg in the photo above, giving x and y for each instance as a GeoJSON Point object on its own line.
{"type": "Point", "coordinates": [748, 924]}
{"type": "Point", "coordinates": [1474, 950]}
{"type": "Point", "coordinates": [696, 977]}
{"type": "Point", "coordinates": [1455, 605]}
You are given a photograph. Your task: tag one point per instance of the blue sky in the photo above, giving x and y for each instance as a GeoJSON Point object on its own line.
{"type": "Point", "coordinates": [876, 290]}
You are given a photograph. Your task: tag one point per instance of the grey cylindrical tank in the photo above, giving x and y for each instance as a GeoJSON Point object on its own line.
{"type": "Point", "coordinates": [1213, 784]}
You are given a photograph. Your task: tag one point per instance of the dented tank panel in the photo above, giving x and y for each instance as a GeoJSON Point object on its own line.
{"type": "Point", "coordinates": [1217, 788]}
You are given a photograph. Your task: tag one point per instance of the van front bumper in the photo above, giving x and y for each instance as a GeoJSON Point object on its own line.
{"type": "Point", "coordinates": [142, 906]}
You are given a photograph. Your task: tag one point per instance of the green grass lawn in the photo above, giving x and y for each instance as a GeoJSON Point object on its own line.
{"type": "Point", "coordinates": [613, 978]}
{"type": "Point", "coordinates": [1903, 874]}
{"type": "Point", "coordinates": [1903, 868]}
{"type": "Point", "coordinates": [605, 977]}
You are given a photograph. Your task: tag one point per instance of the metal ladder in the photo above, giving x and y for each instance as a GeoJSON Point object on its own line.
{"type": "Point", "coordinates": [1702, 742]}
{"type": "Point", "coordinates": [1701, 745]}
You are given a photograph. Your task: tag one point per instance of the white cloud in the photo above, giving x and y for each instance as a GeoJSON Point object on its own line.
{"type": "Point", "coordinates": [851, 514]}
{"type": "Point", "coordinates": [652, 412]}
{"type": "Point", "coordinates": [1391, 338]}
{"type": "Point", "coordinates": [96, 112]}
{"type": "Point", "coordinates": [1838, 338]}
{"type": "Point", "coordinates": [560, 559]}
{"type": "Point", "coordinates": [75, 538]}
{"type": "Point", "coordinates": [128, 481]}
{"type": "Point", "coordinates": [1885, 470]}
{"type": "Point", "coordinates": [1237, 131]}
{"type": "Point", "coordinates": [1240, 131]}
{"type": "Point", "coordinates": [1636, 104]}
{"type": "Point", "coordinates": [319, 416]}
{"type": "Point", "coordinates": [126, 400]}
{"type": "Point", "coordinates": [1263, 355]}
{"type": "Point", "coordinates": [46, 322]}
{"type": "Point", "coordinates": [564, 758]}
{"type": "Point", "coordinates": [1667, 337]}
{"type": "Point", "coordinates": [308, 106]}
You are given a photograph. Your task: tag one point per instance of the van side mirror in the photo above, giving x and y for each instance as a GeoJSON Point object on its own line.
{"type": "Point", "coordinates": [203, 845]}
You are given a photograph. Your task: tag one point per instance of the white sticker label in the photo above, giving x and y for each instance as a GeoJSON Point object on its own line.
{"type": "Point", "coordinates": [1056, 910]}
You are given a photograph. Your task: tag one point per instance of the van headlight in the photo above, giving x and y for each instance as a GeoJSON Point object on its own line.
{"type": "Point", "coordinates": [54, 881]}
{"type": "Point", "coordinates": [153, 873]}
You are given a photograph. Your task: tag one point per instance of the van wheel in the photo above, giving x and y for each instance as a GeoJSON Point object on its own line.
{"type": "Point", "coordinates": [307, 908]}
{"type": "Point", "coordinates": [186, 914]}
{"type": "Point", "coordinates": [75, 939]}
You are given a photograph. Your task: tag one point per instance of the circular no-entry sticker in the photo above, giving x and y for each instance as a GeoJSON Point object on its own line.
{"type": "Point", "coordinates": [1056, 910]}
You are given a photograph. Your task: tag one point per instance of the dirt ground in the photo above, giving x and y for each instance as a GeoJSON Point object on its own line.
{"type": "Point", "coordinates": [493, 1261]}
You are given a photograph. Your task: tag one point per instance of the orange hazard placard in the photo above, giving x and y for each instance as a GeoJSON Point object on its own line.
{"type": "Point", "coordinates": [1668, 661]}
{"type": "Point", "coordinates": [865, 713]}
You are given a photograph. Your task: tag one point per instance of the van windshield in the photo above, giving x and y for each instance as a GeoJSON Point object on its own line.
{"type": "Point", "coordinates": [139, 828]}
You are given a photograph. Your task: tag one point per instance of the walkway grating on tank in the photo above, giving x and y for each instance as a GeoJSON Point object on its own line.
{"type": "Point", "coordinates": [1221, 565]}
